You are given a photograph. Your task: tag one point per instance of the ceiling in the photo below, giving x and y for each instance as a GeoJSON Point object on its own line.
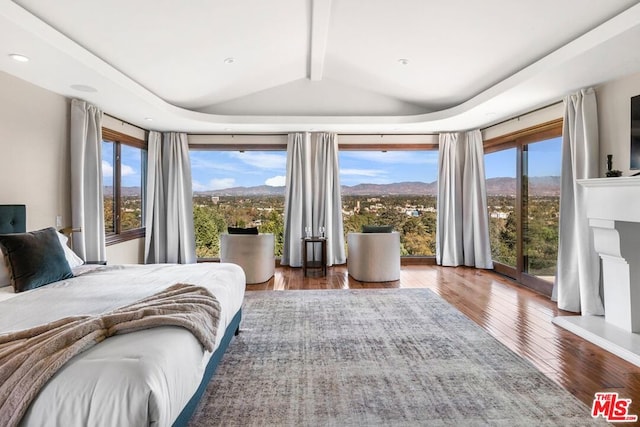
{"type": "Point", "coordinates": [349, 66]}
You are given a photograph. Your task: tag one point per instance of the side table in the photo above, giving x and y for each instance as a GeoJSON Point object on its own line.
{"type": "Point", "coordinates": [313, 263]}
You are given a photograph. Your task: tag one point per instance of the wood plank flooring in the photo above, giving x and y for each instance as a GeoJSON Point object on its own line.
{"type": "Point", "coordinates": [516, 316]}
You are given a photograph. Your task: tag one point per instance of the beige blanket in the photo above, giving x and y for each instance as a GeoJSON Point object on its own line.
{"type": "Point", "coordinates": [29, 358]}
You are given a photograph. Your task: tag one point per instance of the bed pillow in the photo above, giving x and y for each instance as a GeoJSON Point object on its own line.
{"type": "Point", "coordinates": [35, 259]}
{"type": "Point", "coordinates": [238, 230]}
{"type": "Point", "coordinates": [73, 259]}
{"type": "Point", "coordinates": [377, 228]}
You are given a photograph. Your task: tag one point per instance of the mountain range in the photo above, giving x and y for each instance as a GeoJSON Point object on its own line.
{"type": "Point", "coordinates": [544, 185]}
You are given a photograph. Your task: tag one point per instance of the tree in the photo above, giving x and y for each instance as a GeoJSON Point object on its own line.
{"type": "Point", "coordinates": [208, 224]}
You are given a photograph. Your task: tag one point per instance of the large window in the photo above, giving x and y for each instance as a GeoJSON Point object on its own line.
{"type": "Point", "coordinates": [236, 189]}
{"type": "Point", "coordinates": [500, 168]}
{"type": "Point", "coordinates": [123, 170]}
{"type": "Point", "coordinates": [396, 188]}
{"type": "Point", "coordinates": [523, 198]}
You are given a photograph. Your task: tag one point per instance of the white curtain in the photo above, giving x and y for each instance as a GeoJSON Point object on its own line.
{"type": "Point", "coordinates": [462, 225]}
{"type": "Point", "coordinates": [577, 285]}
{"type": "Point", "coordinates": [313, 196]}
{"type": "Point", "coordinates": [170, 234]}
{"type": "Point", "coordinates": [297, 200]}
{"type": "Point", "coordinates": [87, 205]}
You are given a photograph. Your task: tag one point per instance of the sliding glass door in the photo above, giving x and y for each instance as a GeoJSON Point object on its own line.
{"type": "Point", "coordinates": [523, 195]}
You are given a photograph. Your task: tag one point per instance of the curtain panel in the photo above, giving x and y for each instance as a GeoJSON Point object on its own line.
{"type": "Point", "coordinates": [577, 284]}
{"type": "Point", "coordinates": [170, 235]}
{"type": "Point", "coordinates": [462, 224]}
{"type": "Point", "coordinates": [313, 196]}
{"type": "Point", "coordinates": [87, 204]}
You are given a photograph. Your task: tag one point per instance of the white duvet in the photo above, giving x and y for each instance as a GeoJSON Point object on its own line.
{"type": "Point", "coordinates": [136, 379]}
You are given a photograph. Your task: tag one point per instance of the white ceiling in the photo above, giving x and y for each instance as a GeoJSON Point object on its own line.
{"type": "Point", "coordinates": [319, 64]}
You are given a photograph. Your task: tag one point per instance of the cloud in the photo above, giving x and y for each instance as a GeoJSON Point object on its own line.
{"type": "Point", "coordinates": [126, 170]}
{"type": "Point", "coordinates": [107, 169]}
{"type": "Point", "coordinates": [276, 181]}
{"type": "Point", "coordinates": [394, 157]}
{"type": "Point", "coordinates": [214, 184]}
{"type": "Point", "coordinates": [200, 160]}
{"type": "Point", "coordinates": [262, 160]}
{"type": "Point", "coordinates": [362, 172]}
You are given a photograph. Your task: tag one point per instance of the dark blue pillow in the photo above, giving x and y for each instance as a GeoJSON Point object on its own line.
{"type": "Point", "coordinates": [34, 259]}
{"type": "Point", "coordinates": [238, 230]}
{"type": "Point", "coordinates": [377, 228]}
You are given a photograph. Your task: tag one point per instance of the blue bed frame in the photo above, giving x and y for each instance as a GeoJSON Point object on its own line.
{"type": "Point", "coordinates": [13, 220]}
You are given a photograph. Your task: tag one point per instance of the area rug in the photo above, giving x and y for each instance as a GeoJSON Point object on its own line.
{"type": "Point", "coordinates": [395, 357]}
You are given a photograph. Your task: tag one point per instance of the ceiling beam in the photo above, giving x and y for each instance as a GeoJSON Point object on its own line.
{"type": "Point", "coordinates": [320, 17]}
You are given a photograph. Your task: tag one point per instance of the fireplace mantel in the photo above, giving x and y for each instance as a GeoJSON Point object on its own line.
{"type": "Point", "coordinates": [613, 209]}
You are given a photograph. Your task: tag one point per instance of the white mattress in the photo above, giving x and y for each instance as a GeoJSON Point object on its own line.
{"type": "Point", "coordinates": [136, 379]}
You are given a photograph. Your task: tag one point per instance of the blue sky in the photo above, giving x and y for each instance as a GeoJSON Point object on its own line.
{"type": "Point", "coordinates": [130, 165]}
{"type": "Point", "coordinates": [544, 160]}
{"type": "Point", "coordinates": [377, 167]}
{"type": "Point", "coordinates": [215, 170]}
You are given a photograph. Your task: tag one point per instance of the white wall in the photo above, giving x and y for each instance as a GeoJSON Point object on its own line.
{"type": "Point", "coordinates": [34, 152]}
{"type": "Point", "coordinates": [614, 111]}
{"type": "Point", "coordinates": [129, 252]}
{"type": "Point", "coordinates": [34, 159]}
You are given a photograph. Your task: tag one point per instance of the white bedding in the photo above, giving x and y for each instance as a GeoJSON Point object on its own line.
{"type": "Point", "coordinates": [136, 379]}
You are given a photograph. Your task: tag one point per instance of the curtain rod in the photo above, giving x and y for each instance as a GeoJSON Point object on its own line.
{"type": "Point", "coordinates": [126, 122]}
{"type": "Point", "coordinates": [518, 117]}
{"type": "Point", "coordinates": [381, 135]}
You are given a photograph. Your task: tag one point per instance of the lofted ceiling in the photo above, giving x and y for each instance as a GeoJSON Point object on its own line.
{"type": "Point", "coordinates": [350, 66]}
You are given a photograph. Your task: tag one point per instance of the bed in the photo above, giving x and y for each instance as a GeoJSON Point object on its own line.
{"type": "Point", "coordinates": [148, 377]}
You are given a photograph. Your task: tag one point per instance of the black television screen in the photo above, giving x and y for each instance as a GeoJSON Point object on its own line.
{"type": "Point", "coordinates": [635, 132]}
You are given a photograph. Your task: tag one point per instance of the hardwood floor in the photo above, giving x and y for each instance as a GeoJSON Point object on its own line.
{"type": "Point", "coordinates": [516, 316]}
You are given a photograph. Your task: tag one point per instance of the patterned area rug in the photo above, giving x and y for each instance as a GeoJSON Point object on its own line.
{"type": "Point", "coordinates": [375, 357]}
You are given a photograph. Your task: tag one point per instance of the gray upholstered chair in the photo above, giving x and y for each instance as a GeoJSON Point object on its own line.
{"type": "Point", "coordinates": [374, 257]}
{"type": "Point", "coordinates": [253, 252]}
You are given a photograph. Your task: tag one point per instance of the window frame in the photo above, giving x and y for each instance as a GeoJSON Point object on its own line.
{"type": "Point", "coordinates": [118, 139]}
{"type": "Point", "coordinates": [234, 147]}
{"type": "Point", "coordinates": [405, 259]}
{"type": "Point", "coordinates": [519, 140]}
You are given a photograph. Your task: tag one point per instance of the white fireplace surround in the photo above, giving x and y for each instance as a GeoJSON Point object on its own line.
{"type": "Point", "coordinates": [613, 210]}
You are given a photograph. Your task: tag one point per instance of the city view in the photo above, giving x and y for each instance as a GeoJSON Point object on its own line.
{"type": "Point", "coordinates": [232, 188]}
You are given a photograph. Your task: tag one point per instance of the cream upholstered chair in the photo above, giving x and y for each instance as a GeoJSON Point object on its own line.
{"type": "Point", "coordinates": [374, 257]}
{"type": "Point", "coordinates": [253, 252]}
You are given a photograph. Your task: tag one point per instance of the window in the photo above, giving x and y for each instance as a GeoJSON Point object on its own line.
{"type": "Point", "coordinates": [391, 187]}
{"type": "Point", "coordinates": [523, 199]}
{"type": "Point", "coordinates": [500, 169]}
{"type": "Point", "coordinates": [123, 170]}
{"type": "Point", "coordinates": [237, 189]}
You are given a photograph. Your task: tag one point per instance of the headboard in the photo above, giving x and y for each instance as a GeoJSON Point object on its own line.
{"type": "Point", "coordinates": [13, 219]}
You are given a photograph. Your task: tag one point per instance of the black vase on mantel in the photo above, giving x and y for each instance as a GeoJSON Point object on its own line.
{"type": "Point", "coordinates": [610, 172]}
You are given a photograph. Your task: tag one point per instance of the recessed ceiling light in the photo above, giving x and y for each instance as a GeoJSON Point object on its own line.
{"type": "Point", "coordinates": [19, 58]}
{"type": "Point", "coordinates": [227, 129]}
{"type": "Point", "coordinates": [84, 88]}
{"type": "Point", "coordinates": [229, 60]}
{"type": "Point", "coordinates": [149, 119]}
{"type": "Point", "coordinates": [403, 61]}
